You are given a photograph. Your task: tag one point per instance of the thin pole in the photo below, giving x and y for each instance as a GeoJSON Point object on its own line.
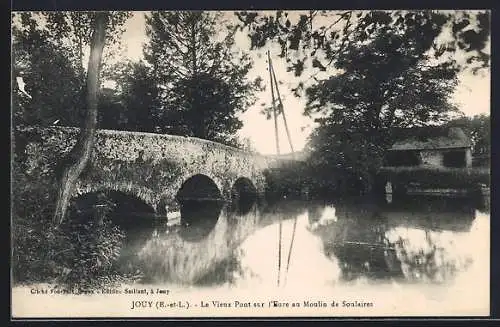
{"type": "Point", "coordinates": [282, 109]}
{"type": "Point", "coordinates": [274, 104]}
{"type": "Point", "coordinates": [291, 247]}
{"type": "Point", "coordinates": [283, 113]}
{"type": "Point", "coordinates": [277, 152]}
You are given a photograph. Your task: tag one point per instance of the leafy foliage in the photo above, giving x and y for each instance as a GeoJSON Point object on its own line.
{"type": "Point", "coordinates": [388, 80]}
{"type": "Point", "coordinates": [76, 255]}
{"type": "Point", "coordinates": [316, 37]}
{"type": "Point", "coordinates": [381, 70]}
{"type": "Point", "coordinates": [72, 31]}
{"type": "Point", "coordinates": [140, 98]}
{"type": "Point", "coordinates": [343, 158]}
{"type": "Point", "coordinates": [48, 58]}
{"type": "Point", "coordinates": [479, 129]}
{"type": "Point", "coordinates": [202, 82]}
{"type": "Point", "coordinates": [49, 77]}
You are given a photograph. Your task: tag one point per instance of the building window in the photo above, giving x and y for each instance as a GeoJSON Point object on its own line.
{"type": "Point", "coordinates": [403, 158]}
{"type": "Point", "coordinates": [454, 159]}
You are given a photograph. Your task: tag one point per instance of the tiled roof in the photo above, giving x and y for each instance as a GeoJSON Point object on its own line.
{"type": "Point", "coordinates": [426, 138]}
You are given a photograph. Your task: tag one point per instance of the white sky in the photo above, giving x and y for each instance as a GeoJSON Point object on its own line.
{"type": "Point", "coordinates": [472, 95]}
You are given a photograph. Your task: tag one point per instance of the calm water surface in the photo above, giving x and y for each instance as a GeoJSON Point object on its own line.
{"type": "Point", "coordinates": [421, 240]}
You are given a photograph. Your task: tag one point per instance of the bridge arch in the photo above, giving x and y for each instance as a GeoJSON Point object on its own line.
{"type": "Point", "coordinates": [133, 190]}
{"type": "Point", "coordinates": [121, 204]}
{"type": "Point", "coordinates": [135, 218]}
{"type": "Point", "coordinates": [130, 213]}
{"type": "Point", "coordinates": [198, 187]}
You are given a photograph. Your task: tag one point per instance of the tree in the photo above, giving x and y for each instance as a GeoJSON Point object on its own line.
{"type": "Point", "coordinates": [112, 113]}
{"type": "Point", "coordinates": [51, 84]}
{"type": "Point", "coordinates": [380, 70]}
{"type": "Point", "coordinates": [140, 93]}
{"type": "Point", "coordinates": [72, 31]}
{"type": "Point", "coordinates": [202, 80]}
{"type": "Point", "coordinates": [372, 50]}
{"type": "Point", "coordinates": [80, 153]}
{"type": "Point", "coordinates": [478, 129]}
{"type": "Point", "coordinates": [134, 103]}
{"type": "Point", "coordinates": [343, 158]}
{"type": "Point", "coordinates": [48, 53]}
{"type": "Point", "coordinates": [388, 80]}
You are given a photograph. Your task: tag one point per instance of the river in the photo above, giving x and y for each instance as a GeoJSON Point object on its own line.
{"type": "Point", "coordinates": [416, 256]}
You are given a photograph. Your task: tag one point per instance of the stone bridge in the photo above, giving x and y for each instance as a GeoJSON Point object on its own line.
{"type": "Point", "coordinates": [158, 169]}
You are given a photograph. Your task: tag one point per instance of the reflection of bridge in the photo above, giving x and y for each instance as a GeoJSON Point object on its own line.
{"type": "Point", "coordinates": [159, 170]}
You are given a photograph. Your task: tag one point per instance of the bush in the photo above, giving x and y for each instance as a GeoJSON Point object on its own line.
{"type": "Point", "coordinates": [82, 252]}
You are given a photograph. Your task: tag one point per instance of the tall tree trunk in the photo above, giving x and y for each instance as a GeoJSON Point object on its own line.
{"type": "Point", "coordinates": [80, 154]}
{"type": "Point", "coordinates": [80, 52]}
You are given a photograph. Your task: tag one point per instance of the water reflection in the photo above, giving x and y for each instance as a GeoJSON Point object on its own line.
{"type": "Point", "coordinates": [413, 240]}
{"type": "Point", "coordinates": [421, 240]}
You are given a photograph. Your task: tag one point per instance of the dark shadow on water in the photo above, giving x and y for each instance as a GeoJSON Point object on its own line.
{"type": "Point", "coordinates": [432, 213]}
{"type": "Point", "coordinates": [243, 196]}
{"type": "Point", "coordinates": [198, 218]}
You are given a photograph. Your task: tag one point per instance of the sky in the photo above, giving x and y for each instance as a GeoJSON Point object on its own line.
{"type": "Point", "coordinates": [472, 95]}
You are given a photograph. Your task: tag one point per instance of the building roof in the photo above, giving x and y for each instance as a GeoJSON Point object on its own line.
{"type": "Point", "coordinates": [429, 138]}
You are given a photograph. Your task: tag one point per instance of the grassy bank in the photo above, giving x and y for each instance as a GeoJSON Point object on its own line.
{"type": "Point", "coordinates": [438, 176]}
